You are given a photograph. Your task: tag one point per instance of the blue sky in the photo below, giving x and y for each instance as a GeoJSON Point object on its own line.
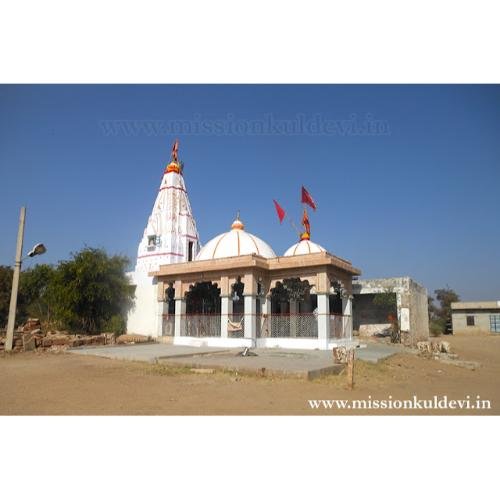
{"type": "Point", "coordinates": [406, 178]}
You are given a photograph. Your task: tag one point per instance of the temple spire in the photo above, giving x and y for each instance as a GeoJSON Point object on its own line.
{"type": "Point", "coordinates": [175, 165]}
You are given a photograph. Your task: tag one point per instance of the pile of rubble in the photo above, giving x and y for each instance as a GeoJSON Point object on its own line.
{"type": "Point", "coordinates": [132, 338]}
{"type": "Point", "coordinates": [30, 337]}
{"type": "Point", "coordinates": [435, 349]}
{"type": "Point", "coordinates": [441, 351]}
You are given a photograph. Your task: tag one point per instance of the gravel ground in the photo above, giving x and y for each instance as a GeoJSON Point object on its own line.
{"type": "Point", "coordinates": [72, 384]}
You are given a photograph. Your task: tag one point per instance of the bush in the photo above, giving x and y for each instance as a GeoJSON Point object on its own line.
{"type": "Point", "coordinates": [437, 327]}
{"type": "Point", "coordinates": [117, 324]}
{"type": "Point", "coordinates": [91, 289]}
{"type": "Point", "coordinates": [88, 292]}
{"type": "Point", "coordinates": [5, 288]}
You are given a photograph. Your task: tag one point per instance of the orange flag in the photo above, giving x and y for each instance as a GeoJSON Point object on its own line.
{"type": "Point", "coordinates": [307, 198]}
{"type": "Point", "coordinates": [279, 210]}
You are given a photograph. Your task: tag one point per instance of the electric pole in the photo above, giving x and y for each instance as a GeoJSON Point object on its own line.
{"type": "Point", "coordinates": [15, 282]}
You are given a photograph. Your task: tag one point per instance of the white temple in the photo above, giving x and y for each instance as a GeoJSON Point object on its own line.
{"type": "Point", "coordinates": [170, 237]}
{"type": "Point", "coordinates": [235, 291]}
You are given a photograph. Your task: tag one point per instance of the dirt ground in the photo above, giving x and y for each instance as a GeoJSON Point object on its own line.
{"type": "Point", "coordinates": [70, 384]}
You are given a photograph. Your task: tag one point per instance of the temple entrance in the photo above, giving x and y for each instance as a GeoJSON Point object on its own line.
{"type": "Point", "coordinates": [293, 309]}
{"type": "Point", "coordinates": [203, 306]}
{"type": "Point", "coordinates": [203, 298]}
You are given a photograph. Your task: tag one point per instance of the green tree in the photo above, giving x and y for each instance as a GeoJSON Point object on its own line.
{"type": "Point", "coordinates": [437, 326]}
{"type": "Point", "coordinates": [442, 320]}
{"type": "Point", "coordinates": [5, 288]}
{"type": "Point", "coordinates": [91, 290]}
{"type": "Point", "coordinates": [36, 289]}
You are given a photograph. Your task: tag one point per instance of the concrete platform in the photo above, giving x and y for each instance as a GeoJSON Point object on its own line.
{"type": "Point", "coordinates": [301, 363]}
{"type": "Point", "coordinates": [373, 352]}
{"type": "Point", "coordinates": [143, 352]}
{"type": "Point", "coordinates": [308, 364]}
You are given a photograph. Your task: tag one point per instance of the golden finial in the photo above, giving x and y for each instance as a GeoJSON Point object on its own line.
{"type": "Point", "coordinates": [237, 224]}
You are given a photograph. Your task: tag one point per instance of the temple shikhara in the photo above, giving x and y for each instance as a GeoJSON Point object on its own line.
{"type": "Point", "coordinates": [170, 236]}
{"type": "Point", "coordinates": [235, 291]}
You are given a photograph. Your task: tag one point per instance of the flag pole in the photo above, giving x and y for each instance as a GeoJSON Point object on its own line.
{"type": "Point", "coordinates": [293, 225]}
{"type": "Point", "coordinates": [282, 214]}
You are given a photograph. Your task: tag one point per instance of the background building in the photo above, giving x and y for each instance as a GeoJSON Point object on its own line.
{"type": "Point", "coordinates": [476, 316]}
{"type": "Point", "coordinates": [411, 307]}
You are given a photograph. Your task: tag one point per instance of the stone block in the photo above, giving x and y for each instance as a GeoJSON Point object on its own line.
{"type": "Point", "coordinates": [29, 342]}
{"type": "Point", "coordinates": [46, 342]}
{"type": "Point", "coordinates": [424, 347]}
{"type": "Point", "coordinates": [60, 340]}
{"type": "Point", "coordinates": [445, 347]}
{"type": "Point", "coordinates": [31, 324]}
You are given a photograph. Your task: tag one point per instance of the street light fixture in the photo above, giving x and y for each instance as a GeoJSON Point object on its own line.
{"type": "Point", "coordinates": [37, 250]}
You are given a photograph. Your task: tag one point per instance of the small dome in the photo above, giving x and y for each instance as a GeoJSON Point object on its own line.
{"type": "Point", "coordinates": [304, 247]}
{"type": "Point", "coordinates": [235, 243]}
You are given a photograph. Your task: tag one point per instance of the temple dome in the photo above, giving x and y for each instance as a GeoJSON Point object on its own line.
{"type": "Point", "coordinates": [235, 243]}
{"type": "Point", "coordinates": [304, 247]}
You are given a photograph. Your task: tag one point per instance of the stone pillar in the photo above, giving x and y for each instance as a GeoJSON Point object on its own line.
{"type": "Point", "coordinates": [226, 313]}
{"type": "Point", "coordinates": [294, 308]}
{"type": "Point", "coordinates": [347, 316]}
{"type": "Point", "coordinates": [162, 309]}
{"type": "Point", "coordinates": [323, 320]}
{"type": "Point", "coordinates": [180, 317]}
{"type": "Point", "coordinates": [403, 308]}
{"type": "Point", "coordinates": [250, 317]}
{"type": "Point", "coordinates": [265, 320]}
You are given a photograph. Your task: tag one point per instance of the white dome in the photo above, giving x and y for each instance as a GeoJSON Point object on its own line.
{"type": "Point", "coordinates": [235, 243]}
{"type": "Point", "coordinates": [304, 247]}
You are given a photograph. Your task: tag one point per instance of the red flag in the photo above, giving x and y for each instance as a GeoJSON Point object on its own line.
{"type": "Point", "coordinates": [307, 198]}
{"type": "Point", "coordinates": [279, 211]}
{"type": "Point", "coordinates": [305, 222]}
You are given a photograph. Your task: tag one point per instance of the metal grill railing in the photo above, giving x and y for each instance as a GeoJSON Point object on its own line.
{"type": "Point", "coordinates": [168, 325]}
{"type": "Point", "coordinates": [236, 326]}
{"type": "Point", "coordinates": [303, 325]}
{"type": "Point", "coordinates": [287, 325]}
{"type": "Point", "coordinates": [202, 325]}
{"type": "Point", "coordinates": [340, 327]}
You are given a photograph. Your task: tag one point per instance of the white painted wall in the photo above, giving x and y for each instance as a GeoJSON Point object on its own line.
{"type": "Point", "coordinates": [143, 318]}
